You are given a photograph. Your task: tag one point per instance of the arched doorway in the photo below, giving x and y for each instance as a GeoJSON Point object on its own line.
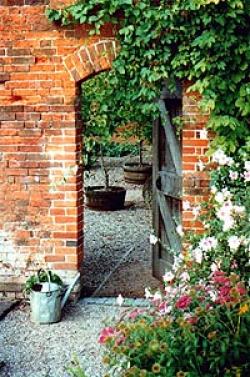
{"type": "Point", "coordinates": [124, 268]}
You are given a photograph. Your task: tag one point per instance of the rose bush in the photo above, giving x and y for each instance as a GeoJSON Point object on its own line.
{"type": "Point", "coordinates": [199, 325]}
{"type": "Point", "coordinates": [192, 330]}
{"type": "Point", "coordinates": [225, 242]}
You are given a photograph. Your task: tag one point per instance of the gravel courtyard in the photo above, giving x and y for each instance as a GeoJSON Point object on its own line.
{"type": "Point", "coordinates": [116, 247]}
{"type": "Point", "coordinates": [110, 235]}
{"type": "Point", "coordinates": [31, 350]}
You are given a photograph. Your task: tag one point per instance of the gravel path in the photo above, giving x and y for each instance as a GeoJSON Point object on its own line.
{"type": "Point", "coordinates": [31, 350]}
{"type": "Point", "coordinates": [109, 235]}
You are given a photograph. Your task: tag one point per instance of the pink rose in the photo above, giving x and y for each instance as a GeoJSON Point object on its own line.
{"type": "Point", "coordinates": [183, 302]}
{"type": "Point", "coordinates": [192, 320]}
{"type": "Point", "coordinates": [135, 313]}
{"type": "Point", "coordinates": [106, 333]}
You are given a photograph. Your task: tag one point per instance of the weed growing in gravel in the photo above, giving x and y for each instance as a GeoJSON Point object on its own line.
{"type": "Point", "coordinates": [75, 369]}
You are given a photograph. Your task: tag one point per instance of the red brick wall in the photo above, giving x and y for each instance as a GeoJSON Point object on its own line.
{"type": "Point", "coordinates": [41, 196]}
{"type": "Point", "coordinates": [195, 144]}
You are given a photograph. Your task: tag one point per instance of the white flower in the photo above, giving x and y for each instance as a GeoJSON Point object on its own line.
{"type": "Point", "coordinates": [157, 296]}
{"type": "Point", "coordinates": [198, 255]}
{"type": "Point", "coordinates": [223, 195]}
{"type": "Point", "coordinates": [247, 176]}
{"type": "Point", "coordinates": [221, 158]}
{"type": "Point", "coordinates": [234, 242]}
{"type": "Point", "coordinates": [228, 223]}
{"type": "Point", "coordinates": [185, 276]}
{"type": "Point", "coordinates": [227, 194]}
{"type": "Point", "coordinates": [224, 213]}
{"type": "Point", "coordinates": [233, 175]}
{"type": "Point", "coordinates": [179, 230]}
{"type": "Point", "coordinates": [214, 267]}
{"type": "Point", "coordinates": [120, 300]}
{"type": "Point", "coordinates": [201, 165]}
{"type": "Point", "coordinates": [247, 165]}
{"type": "Point", "coordinates": [148, 294]}
{"type": "Point", "coordinates": [203, 134]}
{"type": "Point", "coordinates": [186, 205]}
{"type": "Point", "coordinates": [239, 209]}
{"type": "Point", "coordinates": [153, 239]}
{"type": "Point", "coordinates": [219, 197]}
{"type": "Point", "coordinates": [208, 243]}
{"type": "Point", "coordinates": [168, 309]}
{"type": "Point", "coordinates": [213, 295]}
{"type": "Point", "coordinates": [196, 211]}
{"type": "Point", "coordinates": [214, 189]}
{"type": "Point", "coordinates": [168, 276]}
{"type": "Point", "coordinates": [177, 262]}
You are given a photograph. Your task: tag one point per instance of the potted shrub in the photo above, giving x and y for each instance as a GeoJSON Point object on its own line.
{"type": "Point", "coordinates": [100, 122]}
{"type": "Point", "coordinates": [138, 172]}
{"type": "Point", "coordinates": [104, 197]}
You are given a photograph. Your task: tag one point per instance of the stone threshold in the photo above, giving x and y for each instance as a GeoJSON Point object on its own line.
{"type": "Point", "coordinates": [112, 301]}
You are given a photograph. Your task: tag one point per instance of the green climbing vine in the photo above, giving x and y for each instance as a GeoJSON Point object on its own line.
{"type": "Point", "coordinates": [204, 41]}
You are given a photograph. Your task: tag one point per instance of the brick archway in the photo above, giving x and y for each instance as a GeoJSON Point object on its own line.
{"type": "Point", "coordinates": [90, 60]}
{"type": "Point", "coordinates": [81, 65]}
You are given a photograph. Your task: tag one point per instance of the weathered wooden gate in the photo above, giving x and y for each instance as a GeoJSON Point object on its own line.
{"type": "Point", "coordinates": [167, 182]}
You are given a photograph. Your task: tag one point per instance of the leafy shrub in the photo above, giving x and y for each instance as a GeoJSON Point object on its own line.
{"type": "Point", "coordinates": [193, 330]}
{"type": "Point", "coordinates": [104, 113]}
{"type": "Point", "coordinates": [225, 242]}
{"type": "Point", "coordinates": [199, 325]}
{"type": "Point", "coordinates": [114, 149]}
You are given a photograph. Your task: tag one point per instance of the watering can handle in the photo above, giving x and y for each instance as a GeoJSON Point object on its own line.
{"type": "Point", "coordinates": [48, 274]}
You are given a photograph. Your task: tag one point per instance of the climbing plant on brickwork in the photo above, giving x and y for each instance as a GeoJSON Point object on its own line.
{"type": "Point", "coordinates": [204, 41]}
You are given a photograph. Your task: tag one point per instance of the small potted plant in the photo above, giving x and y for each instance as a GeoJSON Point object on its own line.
{"type": "Point", "coordinates": [45, 290]}
{"type": "Point", "coordinates": [104, 197]}
{"type": "Point", "coordinates": [138, 172]}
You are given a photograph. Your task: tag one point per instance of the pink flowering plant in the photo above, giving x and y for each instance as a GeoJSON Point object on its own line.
{"type": "Point", "coordinates": [190, 330]}
{"type": "Point", "coordinates": [198, 325]}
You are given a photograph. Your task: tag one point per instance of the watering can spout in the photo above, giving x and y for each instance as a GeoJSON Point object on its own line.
{"type": "Point", "coordinates": [69, 290]}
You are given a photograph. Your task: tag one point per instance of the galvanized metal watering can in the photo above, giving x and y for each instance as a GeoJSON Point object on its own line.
{"type": "Point", "coordinates": [47, 300]}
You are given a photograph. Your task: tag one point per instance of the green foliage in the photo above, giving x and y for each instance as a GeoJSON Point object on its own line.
{"type": "Point", "coordinates": [115, 149]}
{"type": "Point", "coordinates": [184, 334]}
{"type": "Point", "coordinates": [205, 41]}
{"type": "Point", "coordinates": [99, 118]}
{"type": "Point", "coordinates": [75, 369]}
{"type": "Point", "coordinates": [104, 114]}
{"type": "Point", "coordinates": [41, 277]}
